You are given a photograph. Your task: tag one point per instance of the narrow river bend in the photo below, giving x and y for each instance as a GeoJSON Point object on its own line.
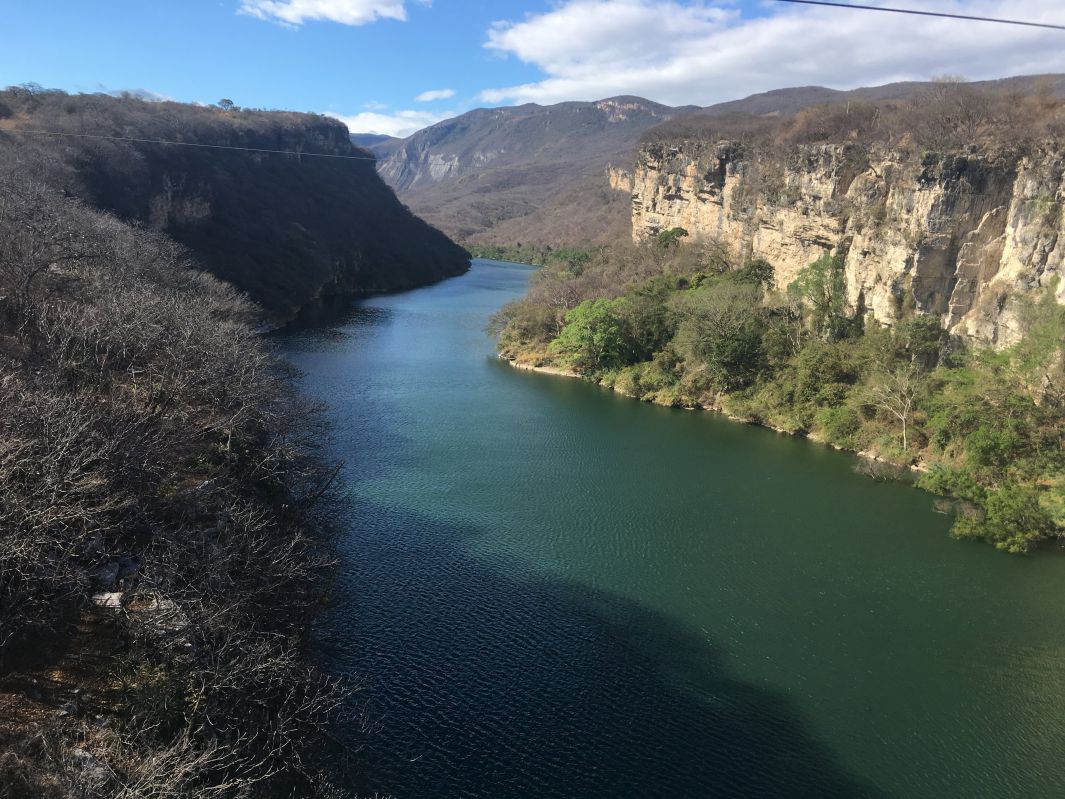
{"type": "Point", "coordinates": [549, 590]}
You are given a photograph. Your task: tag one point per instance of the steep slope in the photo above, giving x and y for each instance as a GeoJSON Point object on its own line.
{"type": "Point", "coordinates": [950, 204]}
{"type": "Point", "coordinates": [527, 173]}
{"type": "Point", "coordinates": [297, 233]}
{"type": "Point", "coordinates": [159, 515]}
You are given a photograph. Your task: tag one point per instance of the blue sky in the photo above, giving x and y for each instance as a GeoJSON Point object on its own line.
{"type": "Point", "coordinates": [393, 66]}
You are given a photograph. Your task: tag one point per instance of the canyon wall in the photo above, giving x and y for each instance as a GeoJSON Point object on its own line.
{"type": "Point", "coordinates": [959, 236]}
{"type": "Point", "coordinates": [279, 204]}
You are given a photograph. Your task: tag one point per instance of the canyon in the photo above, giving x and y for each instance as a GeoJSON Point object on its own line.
{"type": "Point", "coordinates": [961, 236]}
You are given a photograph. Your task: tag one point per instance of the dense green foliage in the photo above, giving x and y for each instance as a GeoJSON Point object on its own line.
{"type": "Point", "coordinates": [693, 327]}
{"type": "Point", "coordinates": [534, 254]}
{"type": "Point", "coordinates": [292, 231]}
{"type": "Point", "coordinates": [670, 238]}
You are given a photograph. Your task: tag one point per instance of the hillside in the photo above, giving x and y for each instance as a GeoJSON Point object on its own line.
{"type": "Point", "coordinates": [539, 174]}
{"type": "Point", "coordinates": [296, 233]}
{"type": "Point", "coordinates": [527, 173]}
{"type": "Point", "coordinates": [779, 104]}
{"type": "Point", "coordinates": [164, 523]}
{"type": "Point", "coordinates": [791, 100]}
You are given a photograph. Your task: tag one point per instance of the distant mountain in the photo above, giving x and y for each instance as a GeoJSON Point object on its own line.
{"type": "Point", "coordinates": [789, 101]}
{"type": "Point", "coordinates": [372, 139]}
{"type": "Point", "coordinates": [539, 174]}
{"type": "Point", "coordinates": [525, 173]}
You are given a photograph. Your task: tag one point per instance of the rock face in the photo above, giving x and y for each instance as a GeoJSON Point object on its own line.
{"type": "Point", "coordinates": [619, 179]}
{"type": "Point", "coordinates": [951, 235]}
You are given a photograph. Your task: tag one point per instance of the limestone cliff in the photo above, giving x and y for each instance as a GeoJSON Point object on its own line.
{"type": "Point", "coordinates": [619, 179]}
{"type": "Point", "coordinates": [953, 235]}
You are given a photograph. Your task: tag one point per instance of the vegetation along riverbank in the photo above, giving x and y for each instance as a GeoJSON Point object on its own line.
{"type": "Point", "coordinates": [881, 276]}
{"type": "Point", "coordinates": [694, 326]}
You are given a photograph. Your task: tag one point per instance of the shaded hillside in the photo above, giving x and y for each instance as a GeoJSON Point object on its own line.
{"type": "Point", "coordinates": [527, 173]}
{"type": "Point", "coordinates": [294, 232]}
{"type": "Point", "coordinates": [164, 523]}
{"type": "Point", "coordinates": [382, 146]}
{"type": "Point", "coordinates": [372, 139]}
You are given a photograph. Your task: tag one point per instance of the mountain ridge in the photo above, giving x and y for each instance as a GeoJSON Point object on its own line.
{"type": "Point", "coordinates": [557, 190]}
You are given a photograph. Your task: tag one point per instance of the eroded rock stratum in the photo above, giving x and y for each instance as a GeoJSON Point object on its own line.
{"type": "Point", "coordinates": [961, 236]}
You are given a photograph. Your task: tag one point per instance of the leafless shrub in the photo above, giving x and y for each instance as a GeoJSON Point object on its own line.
{"type": "Point", "coordinates": [945, 115]}
{"type": "Point", "coordinates": [144, 419]}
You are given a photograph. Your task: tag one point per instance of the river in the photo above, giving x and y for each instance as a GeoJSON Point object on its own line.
{"type": "Point", "coordinates": [550, 590]}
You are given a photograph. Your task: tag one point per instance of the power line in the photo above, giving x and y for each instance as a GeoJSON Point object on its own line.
{"type": "Point", "coordinates": [192, 144]}
{"type": "Point", "coordinates": [915, 12]}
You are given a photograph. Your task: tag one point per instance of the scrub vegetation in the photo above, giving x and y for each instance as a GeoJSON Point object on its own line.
{"type": "Point", "coordinates": [163, 535]}
{"type": "Point", "coordinates": [694, 326]}
{"type": "Point", "coordinates": [948, 114]}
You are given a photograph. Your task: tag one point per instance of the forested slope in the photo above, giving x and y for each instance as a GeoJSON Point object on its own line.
{"type": "Point", "coordinates": [295, 232]}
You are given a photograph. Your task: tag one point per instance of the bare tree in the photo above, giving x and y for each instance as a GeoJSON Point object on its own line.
{"type": "Point", "coordinates": [896, 392]}
{"type": "Point", "coordinates": [150, 448]}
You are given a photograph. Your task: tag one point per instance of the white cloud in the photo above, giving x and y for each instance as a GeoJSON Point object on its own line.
{"type": "Point", "coordinates": [695, 52]}
{"type": "Point", "coordinates": [373, 105]}
{"type": "Point", "coordinates": [435, 94]}
{"type": "Point", "coordinates": [346, 12]}
{"type": "Point", "coordinates": [399, 123]}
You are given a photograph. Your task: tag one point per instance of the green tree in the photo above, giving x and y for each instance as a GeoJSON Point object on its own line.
{"type": "Point", "coordinates": [822, 288]}
{"type": "Point", "coordinates": [920, 339]}
{"type": "Point", "coordinates": [1013, 520]}
{"type": "Point", "coordinates": [1040, 362]}
{"type": "Point", "coordinates": [593, 338]}
{"type": "Point", "coordinates": [670, 238]}
{"type": "Point", "coordinates": [721, 327]}
{"type": "Point", "coordinates": [818, 366]}
{"type": "Point", "coordinates": [572, 258]}
{"type": "Point", "coordinates": [758, 271]}
{"type": "Point", "coordinates": [647, 320]}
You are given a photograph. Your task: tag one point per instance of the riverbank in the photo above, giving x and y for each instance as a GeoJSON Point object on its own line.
{"type": "Point", "coordinates": [874, 457]}
{"type": "Point", "coordinates": [689, 327]}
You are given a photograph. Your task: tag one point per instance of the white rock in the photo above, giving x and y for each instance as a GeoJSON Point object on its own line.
{"type": "Point", "coordinates": [108, 599]}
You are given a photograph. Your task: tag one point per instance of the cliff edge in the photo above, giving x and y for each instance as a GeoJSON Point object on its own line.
{"type": "Point", "coordinates": [947, 226]}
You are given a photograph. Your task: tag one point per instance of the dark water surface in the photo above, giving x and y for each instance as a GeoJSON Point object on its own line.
{"type": "Point", "coordinates": [552, 591]}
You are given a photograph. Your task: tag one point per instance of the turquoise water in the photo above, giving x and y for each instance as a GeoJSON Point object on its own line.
{"type": "Point", "coordinates": [549, 590]}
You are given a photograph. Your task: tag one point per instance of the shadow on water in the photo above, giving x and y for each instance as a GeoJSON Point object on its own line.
{"type": "Point", "coordinates": [489, 684]}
